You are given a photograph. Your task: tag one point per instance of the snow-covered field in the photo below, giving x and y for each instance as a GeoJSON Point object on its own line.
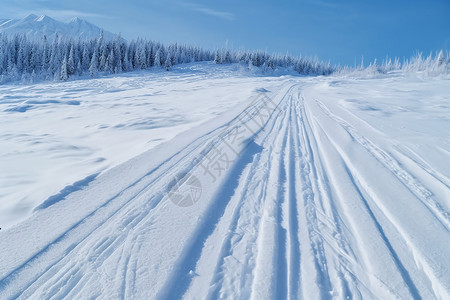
{"type": "Point", "coordinates": [55, 134]}
{"type": "Point", "coordinates": [213, 183]}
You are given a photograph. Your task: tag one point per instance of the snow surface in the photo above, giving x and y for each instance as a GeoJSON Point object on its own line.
{"type": "Point", "coordinates": [35, 27]}
{"type": "Point", "coordinates": [252, 187]}
{"type": "Point", "coordinates": [55, 134]}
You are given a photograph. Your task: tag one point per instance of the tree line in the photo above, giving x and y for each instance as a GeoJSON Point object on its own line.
{"type": "Point", "coordinates": [63, 58]}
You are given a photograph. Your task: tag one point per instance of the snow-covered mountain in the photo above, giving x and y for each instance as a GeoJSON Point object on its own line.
{"type": "Point", "coordinates": [36, 27]}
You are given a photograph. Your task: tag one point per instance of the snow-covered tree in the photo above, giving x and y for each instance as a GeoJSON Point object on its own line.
{"type": "Point", "coordinates": [64, 70]}
{"type": "Point", "coordinates": [110, 62]}
{"type": "Point", "coordinates": [158, 58]}
{"type": "Point", "coordinates": [168, 63]}
{"type": "Point", "coordinates": [71, 62]}
{"type": "Point", "coordinates": [62, 58]}
{"type": "Point", "coordinates": [141, 57]}
{"type": "Point", "coordinates": [227, 58]}
{"type": "Point", "coordinates": [93, 68]}
{"type": "Point", "coordinates": [217, 58]}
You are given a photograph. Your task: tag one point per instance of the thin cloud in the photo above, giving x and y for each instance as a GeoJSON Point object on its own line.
{"type": "Point", "coordinates": [71, 13]}
{"type": "Point", "coordinates": [215, 13]}
{"type": "Point", "coordinates": [211, 12]}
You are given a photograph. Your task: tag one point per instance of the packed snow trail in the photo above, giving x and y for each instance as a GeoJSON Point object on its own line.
{"type": "Point", "coordinates": [285, 200]}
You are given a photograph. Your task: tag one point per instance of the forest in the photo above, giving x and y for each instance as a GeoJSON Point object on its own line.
{"type": "Point", "coordinates": [63, 58]}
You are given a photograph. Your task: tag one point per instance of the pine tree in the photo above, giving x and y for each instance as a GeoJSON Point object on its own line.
{"type": "Point", "coordinates": [227, 58]}
{"type": "Point", "coordinates": [141, 57]}
{"type": "Point", "coordinates": [35, 63]}
{"type": "Point", "coordinates": [45, 60]}
{"type": "Point", "coordinates": [126, 63]}
{"type": "Point", "coordinates": [55, 61]}
{"type": "Point", "coordinates": [110, 62]}
{"type": "Point", "coordinates": [64, 70]}
{"type": "Point", "coordinates": [71, 62]}
{"type": "Point", "coordinates": [168, 64]}
{"type": "Point", "coordinates": [118, 67]}
{"type": "Point", "coordinates": [271, 64]}
{"type": "Point", "coordinates": [79, 69]}
{"type": "Point", "coordinates": [93, 68]}
{"type": "Point", "coordinates": [157, 62]}
{"type": "Point", "coordinates": [22, 55]}
{"type": "Point", "coordinates": [217, 58]}
{"type": "Point", "coordinates": [33, 76]}
{"type": "Point", "coordinates": [102, 64]}
{"type": "Point", "coordinates": [440, 58]}
{"type": "Point", "coordinates": [85, 59]}
{"type": "Point", "coordinates": [151, 55]}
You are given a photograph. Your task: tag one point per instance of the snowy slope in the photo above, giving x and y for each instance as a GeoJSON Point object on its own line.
{"type": "Point", "coordinates": [310, 188]}
{"type": "Point", "coordinates": [35, 28]}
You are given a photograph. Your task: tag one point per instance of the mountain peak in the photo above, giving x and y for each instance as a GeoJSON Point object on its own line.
{"type": "Point", "coordinates": [44, 18]}
{"type": "Point", "coordinates": [36, 27]}
{"type": "Point", "coordinates": [30, 17]}
{"type": "Point", "coordinates": [76, 20]}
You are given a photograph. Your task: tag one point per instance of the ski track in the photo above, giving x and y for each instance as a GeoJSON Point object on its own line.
{"type": "Point", "coordinates": [294, 217]}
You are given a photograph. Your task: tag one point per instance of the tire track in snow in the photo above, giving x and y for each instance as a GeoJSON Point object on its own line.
{"type": "Point", "coordinates": [280, 226]}
{"type": "Point", "coordinates": [294, 243]}
{"type": "Point", "coordinates": [87, 225]}
{"type": "Point", "coordinates": [424, 260]}
{"type": "Point", "coordinates": [309, 205]}
{"type": "Point", "coordinates": [265, 284]}
{"type": "Point", "coordinates": [369, 204]}
{"type": "Point", "coordinates": [328, 222]}
{"type": "Point", "coordinates": [407, 179]}
{"type": "Point", "coordinates": [62, 246]}
{"type": "Point", "coordinates": [180, 279]}
{"type": "Point", "coordinates": [294, 173]}
{"type": "Point", "coordinates": [280, 239]}
{"type": "Point", "coordinates": [95, 254]}
{"type": "Point", "coordinates": [326, 206]}
{"type": "Point", "coordinates": [247, 198]}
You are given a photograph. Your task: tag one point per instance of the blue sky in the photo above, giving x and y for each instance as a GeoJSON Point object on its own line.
{"type": "Point", "coordinates": [339, 31]}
